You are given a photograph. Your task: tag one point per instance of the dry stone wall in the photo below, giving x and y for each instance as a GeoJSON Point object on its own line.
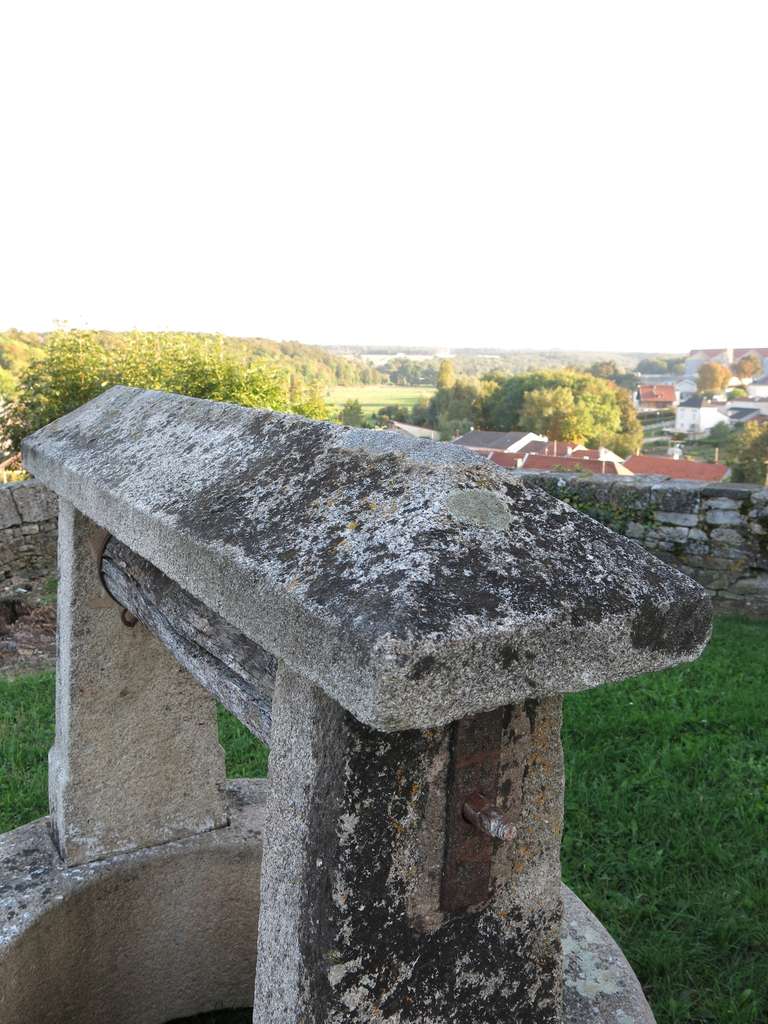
{"type": "Point", "coordinates": [28, 513]}
{"type": "Point", "coordinates": [716, 533]}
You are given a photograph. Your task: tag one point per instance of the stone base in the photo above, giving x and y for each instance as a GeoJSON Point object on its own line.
{"type": "Point", "coordinates": [170, 931]}
{"type": "Point", "coordinates": [137, 938]}
{"type": "Point", "coordinates": [600, 986]}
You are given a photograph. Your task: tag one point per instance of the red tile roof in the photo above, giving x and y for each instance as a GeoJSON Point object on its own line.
{"type": "Point", "coordinates": [514, 460]}
{"type": "Point", "coordinates": [678, 469]}
{"type": "Point", "coordinates": [550, 448]}
{"type": "Point", "coordinates": [573, 463]}
{"type": "Point", "coordinates": [656, 393]}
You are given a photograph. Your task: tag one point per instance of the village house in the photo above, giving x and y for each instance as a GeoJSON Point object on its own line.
{"type": "Point", "coordinates": [521, 444]}
{"type": "Point", "coordinates": [758, 388]}
{"type": "Point", "coordinates": [649, 397]}
{"type": "Point", "coordinates": [696, 358]}
{"type": "Point", "coordinates": [409, 430]}
{"type": "Point", "coordinates": [697, 415]}
{"type": "Point", "coordinates": [761, 353]}
{"type": "Point", "coordinates": [744, 412]}
{"type": "Point", "coordinates": [686, 386]}
{"type": "Point", "coordinates": [577, 462]}
{"type": "Point", "coordinates": [540, 454]}
{"type": "Point", "coordinates": [635, 465]}
{"type": "Point", "coordinates": [676, 468]}
{"type": "Point", "coordinates": [497, 441]}
{"type": "Point", "coordinates": [725, 356]}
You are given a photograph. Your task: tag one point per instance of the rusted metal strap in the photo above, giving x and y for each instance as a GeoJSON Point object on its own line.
{"type": "Point", "coordinates": [474, 772]}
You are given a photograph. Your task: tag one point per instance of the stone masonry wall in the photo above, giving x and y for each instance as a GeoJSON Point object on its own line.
{"type": "Point", "coordinates": [716, 533]}
{"type": "Point", "coordinates": [28, 513]}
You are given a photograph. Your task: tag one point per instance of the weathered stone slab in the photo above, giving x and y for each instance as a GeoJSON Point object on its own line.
{"type": "Point", "coordinates": [724, 517]}
{"type": "Point", "coordinates": [676, 496]}
{"type": "Point", "coordinates": [35, 503]}
{"type": "Point", "coordinates": [415, 582]}
{"type": "Point", "coordinates": [9, 514]}
{"type": "Point", "coordinates": [746, 492]}
{"type": "Point", "coordinates": [357, 923]}
{"type": "Point", "coordinates": [724, 503]}
{"type": "Point", "coordinates": [730, 536]}
{"type": "Point", "coordinates": [677, 518]}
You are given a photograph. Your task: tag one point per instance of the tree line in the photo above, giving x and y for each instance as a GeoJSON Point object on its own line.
{"type": "Point", "coordinates": [308, 363]}
{"type": "Point", "coordinates": [72, 367]}
{"type": "Point", "coordinates": [569, 405]}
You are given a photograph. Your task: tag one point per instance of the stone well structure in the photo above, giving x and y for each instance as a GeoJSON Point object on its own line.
{"type": "Point", "coordinates": [399, 621]}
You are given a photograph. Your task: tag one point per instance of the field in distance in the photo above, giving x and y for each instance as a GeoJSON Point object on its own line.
{"type": "Point", "coordinates": [373, 397]}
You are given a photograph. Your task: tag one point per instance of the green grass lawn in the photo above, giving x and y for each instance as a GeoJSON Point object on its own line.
{"type": "Point", "coordinates": [666, 834]}
{"type": "Point", "coordinates": [373, 397]}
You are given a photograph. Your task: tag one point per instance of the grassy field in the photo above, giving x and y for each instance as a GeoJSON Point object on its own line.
{"type": "Point", "coordinates": [373, 397]}
{"type": "Point", "coordinates": [666, 836]}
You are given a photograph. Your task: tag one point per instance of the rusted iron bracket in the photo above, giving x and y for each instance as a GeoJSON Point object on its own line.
{"type": "Point", "coordinates": [481, 813]}
{"type": "Point", "coordinates": [473, 824]}
{"type": "Point", "coordinates": [98, 546]}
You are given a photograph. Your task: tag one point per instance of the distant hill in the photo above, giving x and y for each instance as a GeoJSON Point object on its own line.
{"type": "Point", "coordinates": [476, 361]}
{"type": "Point", "coordinates": [17, 350]}
{"type": "Point", "coordinates": [309, 363]}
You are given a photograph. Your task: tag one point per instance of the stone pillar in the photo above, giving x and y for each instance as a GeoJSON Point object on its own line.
{"type": "Point", "coordinates": [379, 900]}
{"type": "Point", "coordinates": [136, 761]}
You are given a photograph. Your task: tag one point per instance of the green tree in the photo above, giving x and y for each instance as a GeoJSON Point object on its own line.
{"type": "Point", "coordinates": [352, 414]}
{"type": "Point", "coordinates": [456, 409]}
{"type": "Point", "coordinates": [400, 413]}
{"type": "Point", "coordinates": [75, 366]}
{"type": "Point", "coordinates": [412, 372]}
{"type": "Point", "coordinates": [630, 436]}
{"type": "Point", "coordinates": [296, 389]}
{"type": "Point", "coordinates": [712, 377]}
{"type": "Point", "coordinates": [595, 411]}
{"type": "Point", "coordinates": [661, 364]}
{"type": "Point", "coordinates": [749, 454]}
{"type": "Point", "coordinates": [312, 403]}
{"type": "Point", "coordinates": [553, 412]}
{"type": "Point", "coordinates": [721, 434]}
{"type": "Point", "coordinates": [606, 368]}
{"type": "Point", "coordinates": [8, 384]}
{"type": "Point", "coordinates": [750, 366]}
{"type": "Point", "coordinates": [446, 375]}
{"type": "Point", "coordinates": [652, 365]}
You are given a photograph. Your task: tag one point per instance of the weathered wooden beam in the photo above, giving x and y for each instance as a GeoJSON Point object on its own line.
{"type": "Point", "coordinates": [237, 671]}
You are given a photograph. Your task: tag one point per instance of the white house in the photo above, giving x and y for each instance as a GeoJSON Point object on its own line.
{"type": "Point", "coordinates": [421, 433]}
{"type": "Point", "coordinates": [686, 386]}
{"type": "Point", "coordinates": [758, 388]}
{"type": "Point", "coordinates": [696, 415]}
{"type": "Point", "coordinates": [726, 356]}
{"type": "Point", "coordinates": [497, 440]}
{"type": "Point", "coordinates": [698, 356]}
{"type": "Point", "coordinates": [761, 353]}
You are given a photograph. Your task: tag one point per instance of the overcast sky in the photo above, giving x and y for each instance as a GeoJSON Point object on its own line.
{"type": "Point", "coordinates": [537, 174]}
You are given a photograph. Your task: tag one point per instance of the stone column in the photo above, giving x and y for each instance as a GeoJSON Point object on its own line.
{"type": "Point", "coordinates": [136, 761]}
{"type": "Point", "coordinates": [379, 900]}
